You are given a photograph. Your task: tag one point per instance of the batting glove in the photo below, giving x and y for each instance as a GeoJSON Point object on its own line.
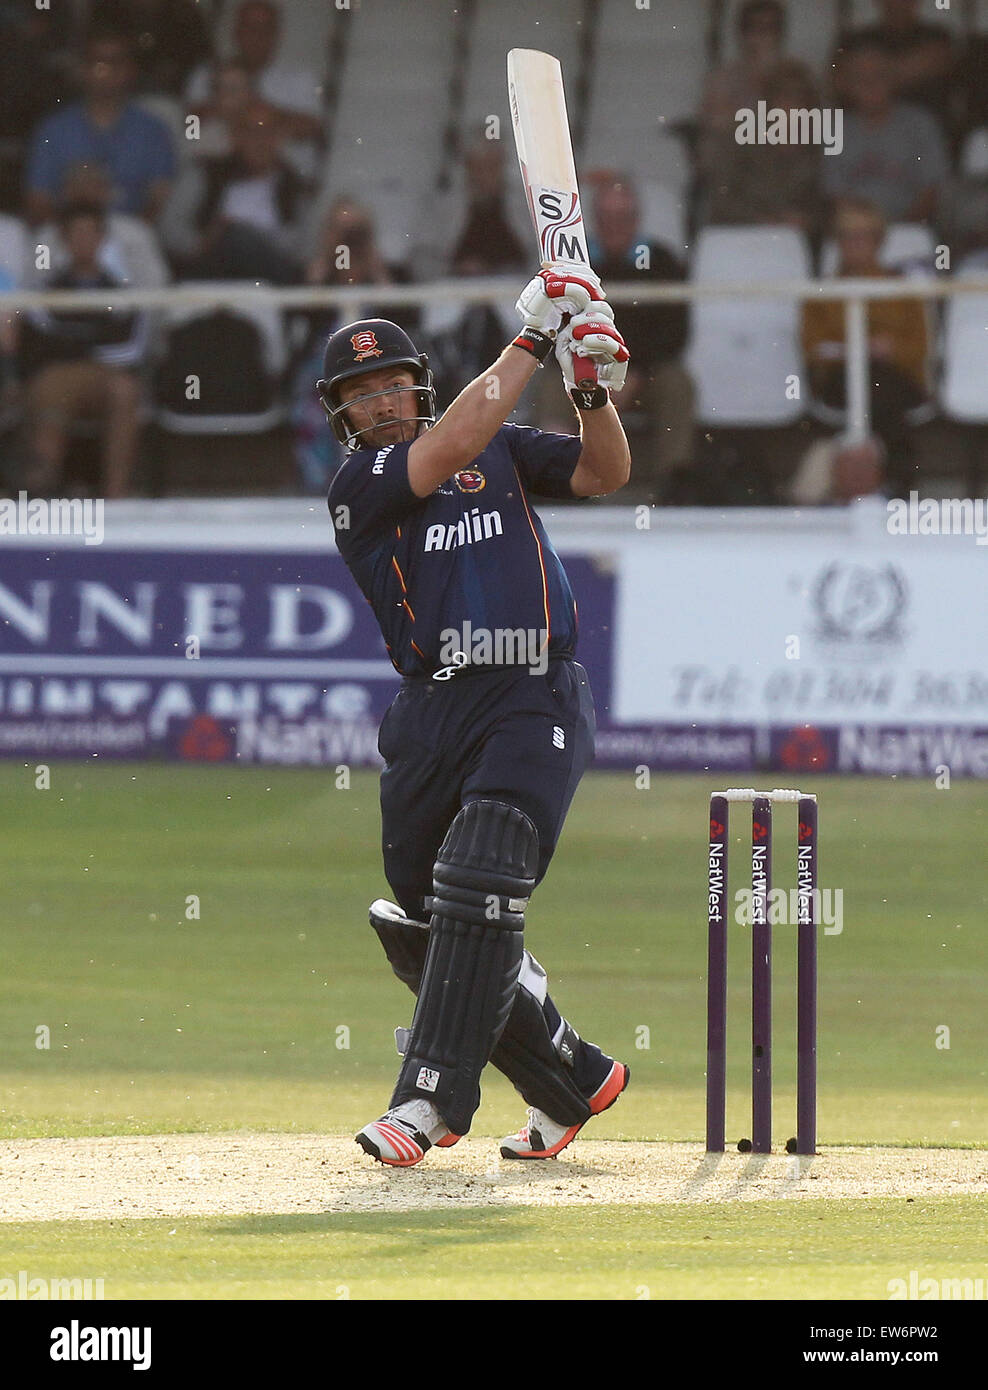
{"type": "Point", "coordinates": [592, 335]}
{"type": "Point", "coordinates": [555, 292]}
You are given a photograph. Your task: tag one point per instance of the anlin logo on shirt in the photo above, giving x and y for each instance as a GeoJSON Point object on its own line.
{"type": "Point", "coordinates": [475, 526]}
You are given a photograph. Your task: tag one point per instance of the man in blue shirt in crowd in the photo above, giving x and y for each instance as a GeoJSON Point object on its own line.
{"type": "Point", "coordinates": [493, 725]}
{"type": "Point", "coordinates": [106, 128]}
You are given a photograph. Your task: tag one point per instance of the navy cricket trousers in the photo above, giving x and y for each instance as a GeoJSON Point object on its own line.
{"type": "Point", "coordinates": [494, 733]}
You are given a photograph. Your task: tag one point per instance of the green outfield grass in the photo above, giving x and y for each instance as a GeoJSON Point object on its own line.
{"type": "Point", "coordinates": [234, 1020]}
{"type": "Point", "coordinates": [819, 1250]}
{"type": "Point", "coordinates": [275, 1009]}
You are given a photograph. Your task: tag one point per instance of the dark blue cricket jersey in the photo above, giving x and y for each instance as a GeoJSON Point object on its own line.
{"type": "Point", "coordinates": [472, 552]}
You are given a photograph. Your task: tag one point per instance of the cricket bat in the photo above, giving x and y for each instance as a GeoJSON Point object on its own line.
{"type": "Point", "coordinates": [545, 154]}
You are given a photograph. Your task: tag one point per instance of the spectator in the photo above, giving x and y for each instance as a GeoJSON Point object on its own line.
{"type": "Point", "coordinates": [487, 243]}
{"type": "Point", "coordinates": [238, 217]}
{"type": "Point", "coordinates": [346, 254]}
{"type": "Point", "coordinates": [897, 335]}
{"type": "Point", "coordinates": [838, 471]}
{"type": "Point", "coordinates": [475, 228]}
{"type": "Point", "coordinates": [481, 225]}
{"type": "Point", "coordinates": [761, 30]}
{"type": "Point", "coordinates": [33, 77]}
{"type": "Point", "coordinates": [293, 92]}
{"type": "Point", "coordinates": [169, 36]}
{"type": "Point", "coordinates": [9, 391]}
{"type": "Point", "coordinates": [231, 100]}
{"type": "Point", "coordinates": [129, 251]}
{"type": "Point", "coordinates": [894, 154]}
{"type": "Point", "coordinates": [657, 400]}
{"type": "Point", "coordinates": [756, 184]}
{"type": "Point", "coordinates": [920, 55]}
{"type": "Point", "coordinates": [81, 364]}
{"type": "Point", "coordinates": [105, 128]}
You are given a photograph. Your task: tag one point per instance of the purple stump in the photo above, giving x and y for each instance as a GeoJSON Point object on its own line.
{"type": "Point", "coordinates": [761, 976]}
{"type": "Point", "coordinates": [806, 976]}
{"type": "Point", "coordinates": [717, 975]}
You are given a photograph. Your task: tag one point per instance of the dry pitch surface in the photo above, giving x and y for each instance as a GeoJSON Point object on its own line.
{"type": "Point", "coordinates": [226, 1174]}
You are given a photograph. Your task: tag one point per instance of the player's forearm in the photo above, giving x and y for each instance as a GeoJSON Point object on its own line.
{"type": "Point", "coordinates": [605, 455]}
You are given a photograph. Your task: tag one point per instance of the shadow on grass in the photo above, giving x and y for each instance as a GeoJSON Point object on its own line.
{"type": "Point", "coordinates": [452, 1226]}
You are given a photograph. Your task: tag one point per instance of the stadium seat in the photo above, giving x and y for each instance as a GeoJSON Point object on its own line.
{"type": "Point", "coordinates": [14, 260]}
{"type": "Point", "coordinates": [508, 24]}
{"type": "Point", "coordinates": [664, 217]}
{"type": "Point", "coordinates": [645, 79]}
{"type": "Point", "coordinates": [256, 378]}
{"type": "Point", "coordinates": [742, 350]}
{"type": "Point", "coordinates": [386, 152]}
{"type": "Point", "coordinates": [965, 350]}
{"type": "Point", "coordinates": [650, 154]}
{"type": "Point", "coordinates": [973, 160]}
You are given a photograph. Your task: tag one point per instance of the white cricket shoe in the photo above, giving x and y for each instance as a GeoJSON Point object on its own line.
{"type": "Point", "coordinates": [542, 1137]}
{"type": "Point", "coordinates": [405, 1134]}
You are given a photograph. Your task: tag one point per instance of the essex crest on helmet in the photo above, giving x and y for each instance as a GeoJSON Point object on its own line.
{"type": "Point", "coordinates": [364, 347]}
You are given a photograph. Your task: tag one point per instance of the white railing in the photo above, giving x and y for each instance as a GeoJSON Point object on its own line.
{"type": "Point", "coordinates": [355, 302]}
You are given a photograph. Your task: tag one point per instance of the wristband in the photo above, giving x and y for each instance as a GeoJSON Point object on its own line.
{"type": "Point", "coordinates": [594, 399]}
{"type": "Point", "coordinates": [538, 344]}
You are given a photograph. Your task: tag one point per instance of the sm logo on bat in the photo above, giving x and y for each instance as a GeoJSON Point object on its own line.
{"type": "Point", "coordinates": [556, 206]}
{"type": "Point", "coordinates": [560, 226]}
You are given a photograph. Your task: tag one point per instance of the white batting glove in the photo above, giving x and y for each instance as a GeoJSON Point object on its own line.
{"type": "Point", "coordinates": [592, 335]}
{"type": "Point", "coordinates": [555, 292]}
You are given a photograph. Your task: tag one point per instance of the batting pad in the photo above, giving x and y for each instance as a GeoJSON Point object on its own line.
{"type": "Point", "coordinates": [526, 1052]}
{"type": "Point", "coordinates": [483, 876]}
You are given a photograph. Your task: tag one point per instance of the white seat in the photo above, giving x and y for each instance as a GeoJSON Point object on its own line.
{"type": "Point", "coordinates": [14, 249]}
{"type": "Point", "coordinates": [648, 63]}
{"type": "Point", "coordinates": [965, 350]}
{"type": "Point", "coordinates": [664, 217]}
{"type": "Point", "coordinates": [502, 24]}
{"type": "Point", "coordinates": [743, 350]}
{"type": "Point", "coordinates": [973, 162]}
{"type": "Point", "coordinates": [650, 154]}
{"type": "Point", "coordinates": [390, 115]}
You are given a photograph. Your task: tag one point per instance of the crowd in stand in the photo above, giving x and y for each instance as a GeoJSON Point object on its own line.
{"type": "Point", "coordinates": [137, 154]}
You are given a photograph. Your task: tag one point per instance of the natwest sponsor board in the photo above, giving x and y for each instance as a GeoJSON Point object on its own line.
{"type": "Point", "coordinates": [136, 652]}
{"type": "Point", "coordinates": [256, 656]}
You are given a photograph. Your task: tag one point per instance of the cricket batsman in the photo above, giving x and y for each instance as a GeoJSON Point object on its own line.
{"type": "Point", "coordinates": [493, 725]}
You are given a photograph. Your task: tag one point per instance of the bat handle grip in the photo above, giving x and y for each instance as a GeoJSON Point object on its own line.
{"type": "Point", "coordinates": [584, 373]}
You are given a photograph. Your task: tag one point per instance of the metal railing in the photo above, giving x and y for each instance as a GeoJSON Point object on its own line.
{"type": "Point", "coordinates": [355, 302]}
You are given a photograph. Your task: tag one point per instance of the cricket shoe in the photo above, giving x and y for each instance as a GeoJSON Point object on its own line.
{"type": "Point", "coordinates": [542, 1137]}
{"type": "Point", "coordinates": [405, 1134]}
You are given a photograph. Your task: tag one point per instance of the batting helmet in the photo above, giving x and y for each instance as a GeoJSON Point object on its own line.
{"type": "Point", "coordinates": [366, 346]}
